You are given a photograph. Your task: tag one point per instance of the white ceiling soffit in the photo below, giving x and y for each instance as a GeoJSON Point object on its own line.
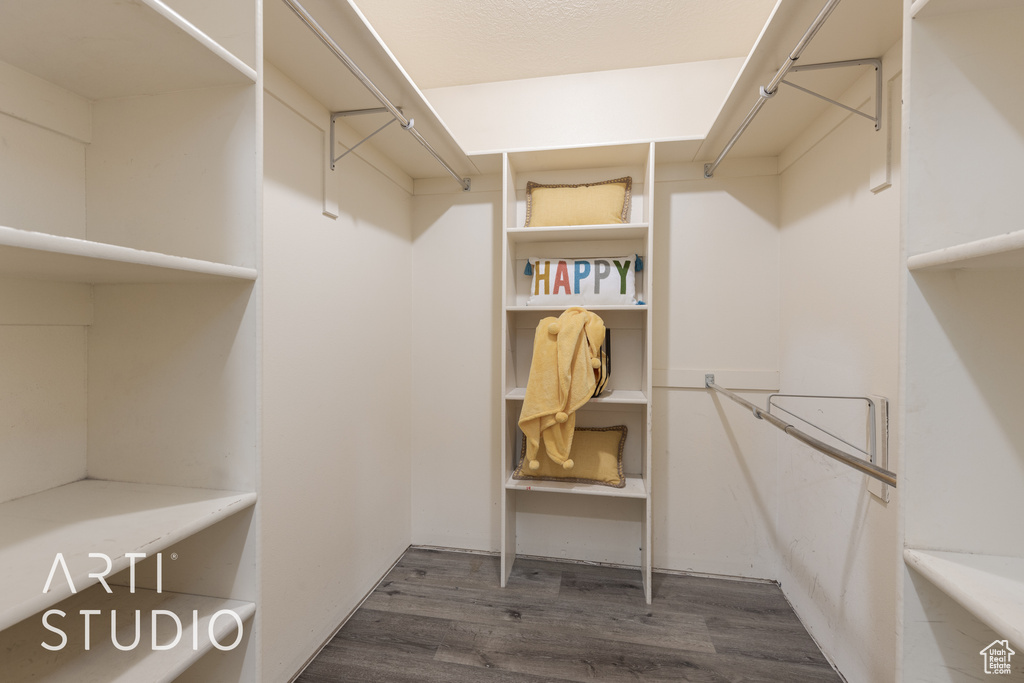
{"type": "Point", "coordinates": [445, 43]}
{"type": "Point", "coordinates": [293, 48]}
{"type": "Point", "coordinates": [857, 29]}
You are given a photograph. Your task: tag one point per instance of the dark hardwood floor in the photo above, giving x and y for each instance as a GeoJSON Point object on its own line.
{"type": "Point", "coordinates": [442, 617]}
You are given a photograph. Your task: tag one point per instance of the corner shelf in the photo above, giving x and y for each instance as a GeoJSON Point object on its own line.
{"type": "Point", "coordinates": [928, 8]}
{"type": "Point", "coordinates": [589, 307]}
{"type": "Point", "coordinates": [133, 48]}
{"type": "Point", "coordinates": [38, 255]}
{"type": "Point", "coordinates": [999, 251]}
{"type": "Point", "coordinates": [989, 587]}
{"type": "Point", "coordinates": [634, 488]}
{"type": "Point", "coordinates": [95, 516]}
{"type": "Point", "coordinates": [632, 324]}
{"type": "Point", "coordinates": [566, 233]}
{"type": "Point", "coordinates": [619, 396]}
{"type": "Point", "coordinates": [106, 663]}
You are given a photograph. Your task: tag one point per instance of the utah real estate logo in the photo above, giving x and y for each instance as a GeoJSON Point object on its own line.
{"type": "Point", "coordinates": [997, 656]}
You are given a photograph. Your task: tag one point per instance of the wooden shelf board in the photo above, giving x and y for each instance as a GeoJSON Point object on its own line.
{"type": "Point", "coordinates": [38, 255]}
{"type": "Point", "coordinates": [929, 8]}
{"type": "Point", "coordinates": [95, 516]}
{"type": "Point", "coordinates": [634, 488]}
{"type": "Point", "coordinates": [999, 251]}
{"type": "Point", "coordinates": [590, 307]}
{"type": "Point", "coordinates": [582, 156]}
{"type": "Point", "coordinates": [566, 233]}
{"type": "Point", "coordinates": [104, 663]}
{"type": "Point", "coordinates": [124, 49]}
{"type": "Point", "coordinates": [989, 587]}
{"type": "Point", "coordinates": [615, 396]}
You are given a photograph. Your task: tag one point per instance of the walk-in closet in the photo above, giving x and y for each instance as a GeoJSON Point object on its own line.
{"type": "Point", "coordinates": [439, 340]}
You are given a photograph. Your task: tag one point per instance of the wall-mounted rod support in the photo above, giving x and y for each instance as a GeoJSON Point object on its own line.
{"type": "Point", "coordinates": [769, 90]}
{"type": "Point", "coordinates": [875, 63]}
{"type": "Point", "coordinates": [334, 117]}
{"type": "Point", "coordinates": [883, 475]}
{"type": "Point", "coordinates": [407, 124]}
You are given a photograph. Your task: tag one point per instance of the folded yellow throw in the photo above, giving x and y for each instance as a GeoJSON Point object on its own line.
{"type": "Point", "coordinates": [566, 350]}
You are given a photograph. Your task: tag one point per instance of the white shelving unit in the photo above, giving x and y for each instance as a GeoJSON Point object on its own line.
{"type": "Point", "coordinates": [989, 587]}
{"type": "Point", "coordinates": [38, 255]}
{"type": "Point", "coordinates": [628, 395]}
{"type": "Point", "coordinates": [963, 462]}
{"type": "Point", "coordinates": [91, 516]}
{"type": "Point", "coordinates": [129, 216]}
{"type": "Point", "coordinates": [72, 664]}
{"type": "Point", "coordinates": [998, 251]}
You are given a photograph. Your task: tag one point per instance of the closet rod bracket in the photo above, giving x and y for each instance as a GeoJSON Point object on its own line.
{"type": "Point", "coordinates": [335, 115]}
{"type": "Point", "coordinates": [876, 63]}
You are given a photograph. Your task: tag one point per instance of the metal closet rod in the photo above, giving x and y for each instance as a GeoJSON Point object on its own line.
{"type": "Point", "coordinates": [768, 91]}
{"type": "Point", "coordinates": [407, 124]}
{"type": "Point", "coordinates": [870, 469]}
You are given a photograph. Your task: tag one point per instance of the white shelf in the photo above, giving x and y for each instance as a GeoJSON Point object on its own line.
{"type": "Point", "coordinates": [52, 257]}
{"type": "Point", "coordinates": [121, 48]}
{"type": "Point", "coordinates": [634, 488]}
{"type": "Point", "coordinates": [1000, 251]}
{"type": "Point", "coordinates": [94, 516]}
{"type": "Point", "coordinates": [103, 663]}
{"type": "Point", "coordinates": [615, 396]}
{"type": "Point", "coordinates": [589, 307]}
{"type": "Point", "coordinates": [583, 156]}
{"type": "Point", "coordinates": [929, 8]}
{"type": "Point", "coordinates": [615, 231]}
{"type": "Point", "coordinates": [989, 587]}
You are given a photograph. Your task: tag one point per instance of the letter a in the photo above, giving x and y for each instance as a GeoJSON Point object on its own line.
{"type": "Point", "coordinates": [67, 575]}
{"type": "Point", "coordinates": [562, 278]}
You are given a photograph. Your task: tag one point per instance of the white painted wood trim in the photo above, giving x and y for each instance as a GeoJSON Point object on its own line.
{"type": "Point", "coordinates": [590, 307]}
{"type": "Point", "coordinates": [619, 396]}
{"type": "Point", "coordinates": [989, 587]}
{"type": "Point", "coordinates": [999, 251]}
{"type": "Point", "coordinates": [25, 253]}
{"type": "Point", "coordinates": [927, 8]}
{"type": "Point", "coordinates": [624, 231]}
{"type": "Point", "coordinates": [634, 488]}
{"type": "Point", "coordinates": [95, 516]}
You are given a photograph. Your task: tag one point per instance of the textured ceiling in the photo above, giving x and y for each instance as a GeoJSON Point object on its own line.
{"type": "Point", "coordinates": [458, 42]}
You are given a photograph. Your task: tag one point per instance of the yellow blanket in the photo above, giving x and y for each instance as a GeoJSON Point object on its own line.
{"type": "Point", "coordinates": [565, 352]}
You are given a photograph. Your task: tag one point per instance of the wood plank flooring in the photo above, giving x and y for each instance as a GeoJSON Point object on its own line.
{"type": "Point", "coordinates": [442, 617]}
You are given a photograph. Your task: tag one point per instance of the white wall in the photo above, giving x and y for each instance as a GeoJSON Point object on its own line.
{"type": "Point", "coordinates": [840, 290]}
{"type": "Point", "coordinates": [673, 101]}
{"type": "Point", "coordinates": [716, 304]}
{"type": "Point", "coordinates": [337, 343]}
{"type": "Point", "coordinates": [714, 466]}
{"type": "Point", "coordinates": [455, 294]}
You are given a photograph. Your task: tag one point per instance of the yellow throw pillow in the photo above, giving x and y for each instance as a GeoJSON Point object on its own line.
{"type": "Point", "coordinates": [596, 452]}
{"type": "Point", "coordinates": [600, 203]}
